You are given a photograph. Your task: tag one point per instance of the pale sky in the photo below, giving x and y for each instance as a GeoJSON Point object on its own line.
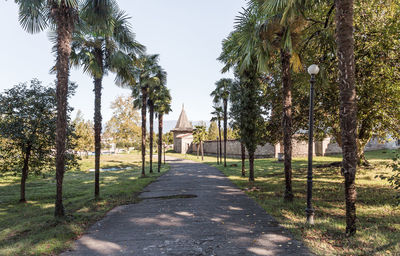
{"type": "Point", "coordinates": [186, 33]}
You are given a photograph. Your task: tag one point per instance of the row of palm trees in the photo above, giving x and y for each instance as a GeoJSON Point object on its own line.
{"type": "Point", "coordinates": [95, 35]}
{"type": "Point", "coordinates": [266, 34]}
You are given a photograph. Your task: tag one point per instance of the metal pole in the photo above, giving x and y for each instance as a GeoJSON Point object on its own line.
{"type": "Point", "coordinates": [310, 210]}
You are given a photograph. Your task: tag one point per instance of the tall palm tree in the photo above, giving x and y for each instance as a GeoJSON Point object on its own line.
{"type": "Point", "coordinates": [218, 113]}
{"type": "Point", "coordinates": [221, 93]}
{"type": "Point", "coordinates": [162, 104]}
{"type": "Point", "coordinates": [143, 73]}
{"type": "Point", "coordinates": [154, 90]}
{"type": "Point", "coordinates": [102, 42]}
{"type": "Point", "coordinates": [36, 16]}
{"type": "Point", "coordinates": [348, 99]}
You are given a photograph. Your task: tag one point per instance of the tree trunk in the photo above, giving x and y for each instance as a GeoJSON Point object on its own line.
{"type": "Point", "coordinates": [151, 110]}
{"type": "Point", "coordinates": [243, 149]}
{"type": "Point", "coordinates": [225, 127]}
{"type": "Point", "coordinates": [220, 140]}
{"type": "Point", "coordinates": [97, 134]}
{"type": "Point", "coordinates": [348, 108]}
{"type": "Point", "coordinates": [165, 149]}
{"type": "Point", "coordinates": [25, 171]}
{"type": "Point", "coordinates": [160, 134]}
{"type": "Point", "coordinates": [198, 148]}
{"type": "Point", "coordinates": [251, 166]}
{"type": "Point", "coordinates": [287, 122]}
{"type": "Point", "coordinates": [202, 150]}
{"type": "Point", "coordinates": [217, 151]}
{"type": "Point", "coordinates": [64, 29]}
{"type": "Point", "coordinates": [144, 111]}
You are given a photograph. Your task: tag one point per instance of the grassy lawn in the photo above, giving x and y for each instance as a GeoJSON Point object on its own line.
{"type": "Point", "coordinates": [31, 229]}
{"type": "Point", "coordinates": [378, 217]}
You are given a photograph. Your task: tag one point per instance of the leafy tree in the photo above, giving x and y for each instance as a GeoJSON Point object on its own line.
{"type": "Point", "coordinates": [123, 127]}
{"type": "Point", "coordinates": [84, 141]}
{"type": "Point", "coordinates": [28, 129]}
{"type": "Point", "coordinates": [101, 43]}
{"type": "Point", "coordinates": [221, 93]}
{"type": "Point", "coordinates": [168, 138]}
{"type": "Point", "coordinates": [212, 131]}
{"type": "Point", "coordinates": [36, 16]}
{"type": "Point", "coordinates": [199, 136]}
{"type": "Point", "coordinates": [162, 106]}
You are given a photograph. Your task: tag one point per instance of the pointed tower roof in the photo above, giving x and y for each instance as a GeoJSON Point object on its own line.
{"type": "Point", "coordinates": [183, 123]}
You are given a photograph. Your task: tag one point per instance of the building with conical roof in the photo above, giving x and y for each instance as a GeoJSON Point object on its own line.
{"type": "Point", "coordinates": [183, 133]}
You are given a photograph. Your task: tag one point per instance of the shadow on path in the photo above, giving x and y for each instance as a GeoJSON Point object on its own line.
{"type": "Point", "coordinates": [191, 210]}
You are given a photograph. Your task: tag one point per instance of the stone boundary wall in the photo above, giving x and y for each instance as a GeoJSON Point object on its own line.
{"type": "Point", "coordinates": [299, 148]}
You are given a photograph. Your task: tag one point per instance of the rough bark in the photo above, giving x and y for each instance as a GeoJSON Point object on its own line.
{"type": "Point", "coordinates": [25, 171]}
{"type": "Point", "coordinates": [218, 151]}
{"type": "Point", "coordinates": [220, 140]}
{"type": "Point", "coordinates": [160, 134]}
{"type": "Point", "coordinates": [64, 28]}
{"type": "Point", "coordinates": [144, 110]}
{"type": "Point", "coordinates": [225, 127]}
{"type": "Point", "coordinates": [97, 134]}
{"type": "Point", "coordinates": [243, 151]}
{"type": "Point", "coordinates": [151, 114]}
{"type": "Point", "coordinates": [348, 109]}
{"type": "Point", "coordinates": [287, 122]}
{"type": "Point", "coordinates": [251, 166]}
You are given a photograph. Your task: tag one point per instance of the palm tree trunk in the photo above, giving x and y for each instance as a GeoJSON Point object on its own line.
{"type": "Point", "coordinates": [144, 111]}
{"type": "Point", "coordinates": [151, 110]}
{"type": "Point", "coordinates": [348, 109]}
{"type": "Point", "coordinates": [97, 134]}
{"type": "Point", "coordinates": [243, 151]}
{"type": "Point", "coordinates": [198, 148]}
{"type": "Point", "coordinates": [220, 140]}
{"type": "Point", "coordinates": [160, 134]}
{"type": "Point", "coordinates": [287, 122]}
{"type": "Point", "coordinates": [218, 150]}
{"type": "Point", "coordinates": [64, 23]}
{"type": "Point", "coordinates": [225, 127]}
{"type": "Point", "coordinates": [25, 170]}
{"type": "Point", "coordinates": [251, 166]}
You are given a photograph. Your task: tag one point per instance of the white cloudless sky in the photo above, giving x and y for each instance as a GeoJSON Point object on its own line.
{"type": "Point", "coordinates": [186, 33]}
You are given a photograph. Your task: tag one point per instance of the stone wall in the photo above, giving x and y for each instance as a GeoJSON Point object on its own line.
{"type": "Point", "coordinates": [299, 148]}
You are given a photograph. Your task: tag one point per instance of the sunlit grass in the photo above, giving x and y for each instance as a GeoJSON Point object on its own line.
{"type": "Point", "coordinates": [378, 216]}
{"type": "Point", "coordinates": [31, 229]}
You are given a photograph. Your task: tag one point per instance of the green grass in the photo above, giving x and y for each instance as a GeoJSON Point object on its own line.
{"type": "Point", "coordinates": [378, 216]}
{"type": "Point", "coordinates": [31, 229]}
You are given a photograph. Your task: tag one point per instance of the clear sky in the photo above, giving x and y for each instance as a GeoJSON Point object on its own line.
{"type": "Point", "coordinates": [187, 34]}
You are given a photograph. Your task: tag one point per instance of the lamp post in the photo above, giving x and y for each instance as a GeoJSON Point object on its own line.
{"type": "Point", "coordinates": [313, 71]}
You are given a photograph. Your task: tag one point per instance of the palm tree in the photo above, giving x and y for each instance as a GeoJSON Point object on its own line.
{"type": "Point", "coordinates": [142, 74]}
{"type": "Point", "coordinates": [36, 16]}
{"type": "Point", "coordinates": [101, 43]}
{"type": "Point", "coordinates": [221, 93]}
{"type": "Point", "coordinates": [162, 104]}
{"type": "Point", "coordinates": [348, 110]}
{"type": "Point", "coordinates": [199, 136]}
{"type": "Point", "coordinates": [218, 113]}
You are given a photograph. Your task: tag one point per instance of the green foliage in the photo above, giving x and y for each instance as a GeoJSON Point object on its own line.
{"type": "Point", "coordinates": [123, 128]}
{"type": "Point", "coordinates": [84, 140]}
{"type": "Point", "coordinates": [199, 134]}
{"type": "Point", "coordinates": [212, 131]}
{"type": "Point", "coordinates": [168, 138]}
{"type": "Point", "coordinates": [28, 128]}
{"type": "Point", "coordinates": [394, 180]}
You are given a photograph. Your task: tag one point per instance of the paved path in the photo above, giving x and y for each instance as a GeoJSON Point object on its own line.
{"type": "Point", "coordinates": [191, 210]}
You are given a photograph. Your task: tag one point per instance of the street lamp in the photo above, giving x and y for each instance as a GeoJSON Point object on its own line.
{"type": "Point", "coordinates": [313, 71]}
